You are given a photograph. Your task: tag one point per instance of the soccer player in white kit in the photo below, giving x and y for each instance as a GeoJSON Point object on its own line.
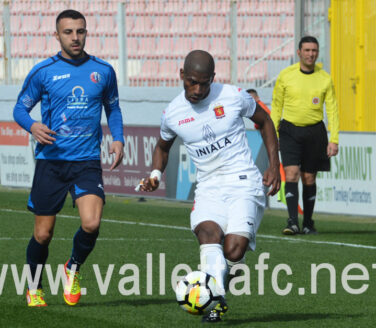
{"type": "Point", "coordinates": [229, 198]}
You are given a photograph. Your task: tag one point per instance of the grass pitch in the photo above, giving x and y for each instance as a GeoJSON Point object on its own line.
{"type": "Point", "coordinates": [132, 238]}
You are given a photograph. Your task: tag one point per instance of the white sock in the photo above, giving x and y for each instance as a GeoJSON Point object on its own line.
{"type": "Point", "coordinates": [230, 264]}
{"type": "Point", "coordinates": [213, 262]}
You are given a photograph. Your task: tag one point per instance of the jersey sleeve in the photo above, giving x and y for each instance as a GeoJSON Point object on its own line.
{"type": "Point", "coordinates": [112, 107]}
{"type": "Point", "coordinates": [166, 132]}
{"type": "Point", "coordinates": [332, 113]}
{"type": "Point", "coordinates": [277, 103]}
{"type": "Point", "coordinates": [248, 104]}
{"type": "Point", "coordinates": [29, 96]}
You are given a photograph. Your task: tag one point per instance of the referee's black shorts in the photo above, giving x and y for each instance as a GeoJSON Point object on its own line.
{"type": "Point", "coordinates": [305, 146]}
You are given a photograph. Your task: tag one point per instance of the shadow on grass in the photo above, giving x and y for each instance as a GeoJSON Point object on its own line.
{"type": "Point", "coordinates": [130, 302]}
{"type": "Point", "coordinates": [348, 232]}
{"type": "Point", "coordinates": [290, 317]}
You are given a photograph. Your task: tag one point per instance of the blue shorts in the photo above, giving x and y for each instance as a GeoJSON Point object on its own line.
{"type": "Point", "coordinates": [53, 179]}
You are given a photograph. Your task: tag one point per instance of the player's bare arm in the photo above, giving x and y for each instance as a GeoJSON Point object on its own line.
{"type": "Point", "coordinates": [271, 177]}
{"type": "Point", "coordinates": [42, 133]}
{"type": "Point", "coordinates": [160, 159]}
{"type": "Point", "coordinates": [117, 148]}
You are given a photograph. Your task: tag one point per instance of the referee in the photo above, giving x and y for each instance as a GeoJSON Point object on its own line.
{"type": "Point", "coordinates": [297, 113]}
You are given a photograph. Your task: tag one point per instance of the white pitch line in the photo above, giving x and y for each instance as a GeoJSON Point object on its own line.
{"type": "Point", "coordinates": [289, 239]}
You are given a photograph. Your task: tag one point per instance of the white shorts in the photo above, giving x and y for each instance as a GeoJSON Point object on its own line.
{"type": "Point", "coordinates": [232, 202]}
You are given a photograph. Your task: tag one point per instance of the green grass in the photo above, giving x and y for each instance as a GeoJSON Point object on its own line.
{"type": "Point", "coordinates": [144, 231]}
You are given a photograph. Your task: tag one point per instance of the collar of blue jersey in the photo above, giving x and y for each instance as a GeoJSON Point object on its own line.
{"type": "Point", "coordinates": [75, 62]}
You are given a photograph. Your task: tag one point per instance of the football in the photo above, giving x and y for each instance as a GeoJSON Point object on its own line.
{"type": "Point", "coordinates": [197, 293]}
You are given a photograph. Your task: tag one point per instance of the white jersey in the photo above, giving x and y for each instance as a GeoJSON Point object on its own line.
{"type": "Point", "coordinates": [213, 131]}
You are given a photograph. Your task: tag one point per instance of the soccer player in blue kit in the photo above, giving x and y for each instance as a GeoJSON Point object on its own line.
{"type": "Point", "coordinates": [72, 87]}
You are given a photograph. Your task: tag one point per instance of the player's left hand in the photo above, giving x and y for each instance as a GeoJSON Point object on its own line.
{"type": "Point", "coordinates": [117, 148]}
{"type": "Point", "coordinates": [272, 179]}
{"type": "Point", "coordinates": [332, 149]}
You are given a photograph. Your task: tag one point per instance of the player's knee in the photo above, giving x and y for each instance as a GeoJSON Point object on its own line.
{"type": "Point", "coordinates": [91, 227]}
{"type": "Point", "coordinates": [234, 253]}
{"type": "Point", "coordinates": [43, 237]}
{"type": "Point", "coordinates": [209, 233]}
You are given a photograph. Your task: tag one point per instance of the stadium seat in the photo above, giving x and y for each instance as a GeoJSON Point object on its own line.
{"type": "Point", "coordinates": [37, 47]}
{"type": "Point", "coordinates": [30, 24]}
{"type": "Point", "coordinates": [246, 8]}
{"type": "Point", "coordinates": [18, 46]}
{"type": "Point", "coordinates": [182, 47]}
{"type": "Point", "coordinates": [103, 7]}
{"type": "Point", "coordinates": [285, 7]}
{"type": "Point", "coordinates": [40, 7]}
{"type": "Point", "coordinates": [142, 25]}
{"type": "Point", "coordinates": [165, 47]}
{"type": "Point", "coordinates": [107, 25]}
{"type": "Point", "coordinates": [147, 47]}
{"type": "Point", "coordinates": [161, 26]}
{"type": "Point", "coordinates": [53, 46]}
{"type": "Point", "coordinates": [15, 24]}
{"type": "Point", "coordinates": [91, 24]}
{"type": "Point", "coordinates": [248, 74]}
{"type": "Point", "coordinates": [134, 8]}
{"type": "Point", "coordinates": [288, 51]}
{"type": "Point", "coordinates": [148, 74]}
{"type": "Point", "coordinates": [256, 48]}
{"type": "Point", "coordinates": [242, 46]}
{"type": "Point", "coordinates": [129, 24]}
{"type": "Point", "coordinates": [179, 25]}
{"type": "Point", "coordinates": [220, 48]}
{"type": "Point", "coordinates": [252, 26]}
{"type": "Point", "coordinates": [287, 26]}
{"type": "Point", "coordinates": [218, 25]}
{"type": "Point", "coordinates": [202, 43]}
{"type": "Point", "coordinates": [132, 47]}
{"type": "Point", "coordinates": [169, 72]}
{"type": "Point", "coordinates": [198, 25]}
{"type": "Point", "coordinates": [222, 70]}
{"type": "Point", "coordinates": [216, 7]}
{"type": "Point", "coordinates": [266, 8]}
{"type": "Point", "coordinates": [79, 5]}
{"type": "Point", "coordinates": [154, 7]}
{"type": "Point", "coordinates": [272, 44]}
{"type": "Point", "coordinates": [271, 26]}
{"type": "Point", "coordinates": [191, 7]}
{"type": "Point", "coordinates": [1, 49]}
{"type": "Point", "coordinates": [169, 7]}
{"type": "Point", "coordinates": [94, 46]}
{"type": "Point", "coordinates": [18, 7]}
{"type": "Point", "coordinates": [110, 48]}
{"type": "Point", "coordinates": [47, 25]}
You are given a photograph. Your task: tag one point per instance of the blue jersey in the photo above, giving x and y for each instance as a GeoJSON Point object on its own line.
{"type": "Point", "coordinates": [72, 93]}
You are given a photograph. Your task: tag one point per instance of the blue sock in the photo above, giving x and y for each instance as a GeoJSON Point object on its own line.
{"type": "Point", "coordinates": [83, 244]}
{"type": "Point", "coordinates": [36, 254]}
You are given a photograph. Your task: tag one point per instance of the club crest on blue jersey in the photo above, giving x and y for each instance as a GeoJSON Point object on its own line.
{"type": "Point", "coordinates": [95, 77]}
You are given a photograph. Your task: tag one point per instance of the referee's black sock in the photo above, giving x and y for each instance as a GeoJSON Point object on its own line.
{"type": "Point", "coordinates": [36, 254]}
{"type": "Point", "coordinates": [309, 197]}
{"type": "Point", "coordinates": [292, 199]}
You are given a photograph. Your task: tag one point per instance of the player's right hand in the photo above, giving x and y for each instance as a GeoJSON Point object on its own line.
{"type": "Point", "coordinates": [42, 133]}
{"type": "Point", "coordinates": [149, 184]}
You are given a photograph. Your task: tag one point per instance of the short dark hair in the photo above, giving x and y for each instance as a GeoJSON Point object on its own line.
{"type": "Point", "coordinates": [69, 13]}
{"type": "Point", "coordinates": [252, 90]}
{"type": "Point", "coordinates": [308, 39]}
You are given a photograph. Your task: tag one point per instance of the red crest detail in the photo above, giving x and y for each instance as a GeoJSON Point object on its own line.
{"type": "Point", "coordinates": [219, 111]}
